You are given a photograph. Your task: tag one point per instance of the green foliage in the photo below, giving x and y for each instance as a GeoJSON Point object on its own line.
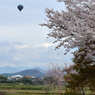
{"type": "Point", "coordinates": [3, 79]}
{"type": "Point", "coordinates": [81, 74]}
{"type": "Point", "coordinates": [72, 93]}
{"type": "Point", "coordinates": [26, 80]}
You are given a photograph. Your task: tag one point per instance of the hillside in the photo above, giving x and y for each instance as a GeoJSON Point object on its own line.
{"type": "Point", "coordinates": [29, 72]}
{"type": "Point", "coordinates": [8, 69]}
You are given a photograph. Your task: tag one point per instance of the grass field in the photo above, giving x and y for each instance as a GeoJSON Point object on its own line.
{"type": "Point", "coordinates": [22, 89]}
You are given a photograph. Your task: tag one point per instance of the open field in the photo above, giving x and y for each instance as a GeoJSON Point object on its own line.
{"type": "Point", "coordinates": [22, 89]}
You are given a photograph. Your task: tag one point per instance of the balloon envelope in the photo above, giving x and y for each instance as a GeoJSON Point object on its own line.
{"type": "Point", "coordinates": [20, 7]}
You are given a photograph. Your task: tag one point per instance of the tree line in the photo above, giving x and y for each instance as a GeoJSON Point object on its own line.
{"type": "Point", "coordinates": [24, 80]}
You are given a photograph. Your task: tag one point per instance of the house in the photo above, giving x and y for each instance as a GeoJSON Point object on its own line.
{"type": "Point", "coordinates": [31, 77]}
{"type": "Point", "coordinates": [14, 77]}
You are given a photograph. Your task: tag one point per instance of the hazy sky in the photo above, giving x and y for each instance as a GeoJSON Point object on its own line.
{"type": "Point", "coordinates": [23, 42]}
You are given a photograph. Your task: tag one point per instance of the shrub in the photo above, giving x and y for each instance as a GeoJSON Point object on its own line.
{"type": "Point", "coordinates": [2, 93]}
{"type": "Point", "coordinates": [71, 93]}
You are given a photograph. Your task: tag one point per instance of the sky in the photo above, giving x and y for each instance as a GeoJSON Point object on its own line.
{"type": "Point", "coordinates": [23, 42]}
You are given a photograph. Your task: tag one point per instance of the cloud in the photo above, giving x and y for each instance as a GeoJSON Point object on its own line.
{"type": "Point", "coordinates": [44, 45]}
{"type": "Point", "coordinates": [20, 46]}
{"type": "Point", "coordinates": [16, 58]}
{"type": "Point", "coordinates": [19, 54]}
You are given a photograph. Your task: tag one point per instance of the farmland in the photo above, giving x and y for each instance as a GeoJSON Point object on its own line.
{"type": "Point", "coordinates": [22, 89]}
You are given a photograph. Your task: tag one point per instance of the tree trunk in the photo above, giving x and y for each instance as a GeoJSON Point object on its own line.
{"type": "Point", "coordinates": [84, 92]}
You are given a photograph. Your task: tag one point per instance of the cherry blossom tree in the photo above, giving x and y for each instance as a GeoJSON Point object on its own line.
{"type": "Point", "coordinates": [74, 27]}
{"type": "Point", "coordinates": [55, 78]}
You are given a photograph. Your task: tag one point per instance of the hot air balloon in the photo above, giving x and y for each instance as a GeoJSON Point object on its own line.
{"type": "Point", "coordinates": [20, 7]}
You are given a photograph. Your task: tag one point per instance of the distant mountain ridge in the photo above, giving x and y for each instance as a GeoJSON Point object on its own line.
{"type": "Point", "coordinates": [28, 72]}
{"type": "Point", "coordinates": [8, 69]}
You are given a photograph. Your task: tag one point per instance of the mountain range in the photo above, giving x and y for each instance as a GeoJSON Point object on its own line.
{"type": "Point", "coordinates": [29, 72]}
{"type": "Point", "coordinates": [8, 69]}
{"type": "Point", "coordinates": [24, 71]}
